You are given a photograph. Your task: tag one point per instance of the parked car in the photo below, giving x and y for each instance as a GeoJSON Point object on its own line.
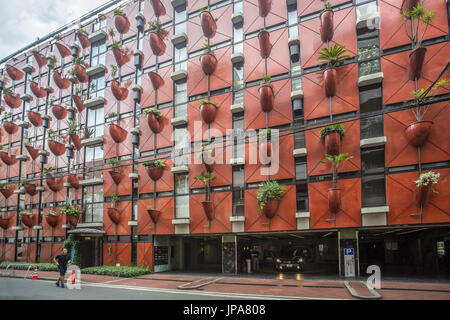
{"type": "Point", "coordinates": [292, 259]}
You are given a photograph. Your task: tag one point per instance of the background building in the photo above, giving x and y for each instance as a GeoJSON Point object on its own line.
{"type": "Point", "coordinates": [378, 217]}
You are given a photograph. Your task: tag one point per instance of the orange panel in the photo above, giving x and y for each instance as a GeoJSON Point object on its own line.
{"type": "Point", "coordinates": [7, 252]}
{"type": "Point", "coordinates": [122, 228]}
{"type": "Point", "coordinates": [146, 184]}
{"type": "Point", "coordinates": [111, 148]}
{"type": "Point", "coordinates": [122, 250]}
{"type": "Point", "coordinates": [306, 7]}
{"type": "Point", "coordinates": [164, 224]}
{"type": "Point", "coordinates": [145, 255]}
{"type": "Point", "coordinates": [253, 22]}
{"type": "Point", "coordinates": [222, 211]}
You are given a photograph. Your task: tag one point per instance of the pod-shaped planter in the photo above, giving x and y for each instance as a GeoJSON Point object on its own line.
{"type": "Point", "coordinates": [40, 59]}
{"type": "Point", "coordinates": [14, 73]}
{"type": "Point", "coordinates": [416, 59]}
{"type": "Point", "coordinates": [76, 141]}
{"type": "Point", "coordinates": [266, 98]}
{"type": "Point", "coordinates": [408, 5]}
{"type": "Point", "coordinates": [265, 47]}
{"type": "Point", "coordinates": [158, 8]}
{"type": "Point", "coordinates": [117, 133]}
{"type": "Point", "coordinates": [13, 102]}
{"type": "Point", "coordinates": [333, 143]}
{"type": "Point", "coordinates": [157, 44]}
{"type": "Point", "coordinates": [6, 192]}
{"type": "Point", "coordinates": [57, 148]}
{"type": "Point", "coordinates": [63, 50]}
{"type": "Point", "coordinates": [208, 160]}
{"type": "Point", "coordinates": [121, 57]}
{"type": "Point", "coordinates": [62, 83]}
{"type": "Point", "coordinates": [73, 180]}
{"type": "Point", "coordinates": [81, 73]}
{"type": "Point", "coordinates": [78, 103]}
{"type": "Point", "coordinates": [84, 40]}
{"type": "Point", "coordinates": [118, 92]}
{"type": "Point", "coordinates": [30, 189]}
{"type": "Point", "coordinates": [326, 25]}
{"type": "Point", "coordinates": [37, 91]}
{"type": "Point", "coordinates": [114, 215]}
{"type": "Point", "coordinates": [208, 24]}
{"type": "Point", "coordinates": [10, 127]}
{"type": "Point", "coordinates": [208, 112]}
{"type": "Point", "coordinates": [59, 112]}
{"type": "Point", "coordinates": [266, 149]}
{"type": "Point", "coordinates": [156, 79]}
{"type": "Point", "coordinates": [417, 133]}
{"type": "Point", "coordinates": [53, 184]}
{"type": "Point", "coordinates": [208, 209]}
{"type": "Point", "coordinates": [330, 81]}
{"type": "Point", "coordinates": [73, 220]}
{"type": "Point", "coordinates": [422, 196]}
{"type": "Point", "coordinates": [271, 208]}
{"type": "Point", "coordinates": [155, 173]}
{"type": "Point", "coordinates": [154, 123]}
{"type": "Point", "coordinates": [52, 220]}
{"type": "Point", "coordinates": [334, 200]}
{"type": "Point", "coordinates": [4, 223]}
{"type": "Point", "coordinates": [154, 215]}
{"type": "Point", "coordinates": [28, 220]}
{"type": "Point", "coordinates": [209, 63]}
{"type": "Point", "coordinates": [7, 159]}
{"type": "Point", "coordinates": [264, 7]}
{"type": "Point", "coordinates": [35, 118]}
{"type": "Point", "coordinates": [122, 24]}
{"type": "Point", "coordinates": [116, 176]}
{"type": "Point", "coordinates": [34, 153]}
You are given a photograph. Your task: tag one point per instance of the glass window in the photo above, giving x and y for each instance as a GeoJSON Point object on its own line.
{"type": "Point", "coordinates": [300, 169]}
{"type": "Point", "coordinates": [238, 76]}
{"type": "Point", "coordinates": [97, 86]}
{"type": "Point", "coordinates": [373, 190]}
{"type": "Point", "coordinates": [182, 196]}
{"type": "Point", "coordinates": [370, 98]}
{"type": "Point", "coordinates": [95, 121]}
{"type": "Point", "coordinates": [181, 148]}
{"type": "Point", "coordinates": [238, 138]}
{"type": "Point", "coordinates": [238, 191]}
{"type": "Point", "coordinates": [371, 127]}
{"type": "Point", "coordinates": [93, 199]}
{"type": "Point", "coordinates": [302, 197]}
{"type": "Point", "coordinates": [372, 160]}
{"type": "Point", "coordinates": [99, 25]}
{"type": "Point", "coordinates": [98, 53]}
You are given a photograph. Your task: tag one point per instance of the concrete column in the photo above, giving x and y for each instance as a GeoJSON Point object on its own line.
{"type": "Point", "coordinates": [348, 239]}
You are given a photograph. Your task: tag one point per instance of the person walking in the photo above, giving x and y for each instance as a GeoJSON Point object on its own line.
{"type": "Point", "coordinates": [255, 259]}
{"type": "Point", "coordinates": [62, 260]}
{"type": "Point", "coordinates": [248, 260]}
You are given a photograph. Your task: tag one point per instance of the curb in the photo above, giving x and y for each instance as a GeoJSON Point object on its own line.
{"type": "Point", "coordinates": [353, 292]}
{"type": "Point", "coordinates": [184, 286]}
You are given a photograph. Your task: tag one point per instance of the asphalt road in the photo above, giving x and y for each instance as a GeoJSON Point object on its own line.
{"type": "Point", "coordinates": [19, 289]}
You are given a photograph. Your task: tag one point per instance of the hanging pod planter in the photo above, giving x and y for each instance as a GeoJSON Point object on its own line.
{"type": "Point", "coordinates": [271, 208]}
{"type": "Point", "coordinates": [122, 57]}
{"type": "Point", "coordinates": [84, 40]}
{"type": "Point", "coordinates": [62, 83]}
{"type": "Point", "coordinates": [10, 127]}
{"type": "Point", "coordinates": [416, 59]}
{"type": "Point", "coordinates": [209, 63]}
{"type": "Point", "coordinates": [57, 148]}
{"type": "Point", "coordinates": [154, 123]}
{"type": "Point", "coordinates": [122, 23]}
{"type": "Point", "coordinates": [208, 24]}
{"type": "Point", "coordinates": [265, 47]}
{"type": "Point", "coordinates": [7, 159]}
{"type": "Point", "coordinates": [266, 97]}
{"type": "Point", "coordinates": [76, 141]}
{"type": "Point", "coordinates": [154, 214]}
{"type": "Point", "coordinates": [53, 184]}
{"type": "Point", "coordinates": [208, 111]}
{"type": "Point", "coordinates": [59, 112]}
{"type": "Point", "coordinates": [408, 5]}
{"type": "Point", "coordinates": [117, 133]}
{"type": "Point", "coordinates": [6, 192]}
{"type": "Point", "coordinates": [4, 222]}
{"type": "Point", "coordinates": [422, 195]}
{"type": "Point", "coordinates": [63, 50]}
{"type": "Point", "coordinates": [37, 91]}
{"type": "Point", "coordinates": [40, 59]}
{"type": "Point", "coordinates": [34, 153]}
{"type": "Point", "coordinates": [81, 73]}
{"type": "Point", "coordinates": [330, 81]}
{"type": "Point", "coordinates": [35, 118]}
{"type": "Point", "coordinates": [158, 8]}
{"type": "Point", "coordinates": [73, 180]}
{"type": "Point", "coordinates": [417, 133]}
{"type": "Point", "coordinates": [333, 143]}
{"type": "Point", "coordinates": [28, 220]}
{"type": "Point", "coordinates": [264, 7]}
{"type": "Point", "coordinates": [30, 188]}
{"type": "Point", "coordinates": [13, 102]}
{"type": "Point", "coordinates": [208, 209]}
{"type": "Point", "coordinates": [115, 175]}
{"type": "Point", "coordinates": [155, 173]}
{"type": "Point", "coordinates": [326, 25]}
{"type": "Point", "coordinates": [73, 220]}
{"type": "Point", "coordinates": [207, 159]}
{"type": "Point", "coordinates": [114, 215]}
{"type": "Point", "coordinates": [118, 92]}
{"type": "Point", "coordinates": [156, 79]}
{"type": "Point", "coordinates": [78, 103]}
{"type": "Point", "coordinates": [334, 200]}
{"type": "Point", "coordinates": [52, 220]}
{"type": "Point", "coordinates": [14, 73]}
{"type": "Point", "coordinates": [157, 42]}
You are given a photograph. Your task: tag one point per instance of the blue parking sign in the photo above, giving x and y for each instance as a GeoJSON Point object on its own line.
{"type": "Point", "coordinates": [348, 251]}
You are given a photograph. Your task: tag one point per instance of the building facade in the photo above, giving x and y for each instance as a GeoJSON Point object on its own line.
{"type": "Point", "coordinates": [75, 118]}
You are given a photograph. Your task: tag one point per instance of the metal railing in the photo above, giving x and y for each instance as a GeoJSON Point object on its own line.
{"type": "Point", "coordinates": [6, 274]}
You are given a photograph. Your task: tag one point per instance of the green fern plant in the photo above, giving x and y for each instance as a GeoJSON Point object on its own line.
{"type": "Point", "coordinates": [422, 18]}
{"type": "Point", "coordinates": [334, 55]}
{"type": "Point", "coordinates": [336, 160]}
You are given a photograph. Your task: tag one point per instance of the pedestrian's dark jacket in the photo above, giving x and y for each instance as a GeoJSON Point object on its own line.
{"type": "Point", "coordinates": [247, 254]}
{"type": "Point", "coordinates": [62, 260]}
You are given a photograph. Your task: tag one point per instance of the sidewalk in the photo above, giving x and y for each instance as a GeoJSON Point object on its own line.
{"type": "Point", "coordinates": [323, 289]}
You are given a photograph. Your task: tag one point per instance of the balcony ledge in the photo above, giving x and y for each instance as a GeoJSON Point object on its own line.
{"type": "Point", "coordinates": [178, 121]}
{"type": "Point", "coordinates": [373, 142]}
{"type": "Point", "coordinates": [37, 227]}
{"type": "Point", "coordinates": [177, 3]}
{"type": "Point", "coordinates": [132, 223]}
{"type": "Point", "coordinates": [237, 161]}
{"type": "Point", "coordinates": [25, 97]}
{"type": "Point", "coordinates": [133, 176]}
{"type": "Point", "coordinates": [300, 152]}
{"type": "Point", "coordinates": [237, 18]}
{"type": "Point", "coordinates": [90, 225]}
{"type": "Point", "coordinates": [374, 210]}
{"type": "Point", "coordinates": [17, 228]}
{"type": "Point", "coordinates": [180, 169]}
{"type": "Point", "coordinates": [92, 142]}
{"type": "Point", "coordinates": [237, 219]}
{"type": "Point", "coordinates": [237, 107]}
{"type": "Point", "coordinates": [97, 35]}
{"type": "Point", "coordinates": [27, 68]}
{"type": "Point", "coordinates": [237, 57]}
{"type": "Point", "coordinates": [370, 79]}
{"type": "Point", "coordinates": [181, 221]}
{"type": "Point", "coordinates": [372, 20]}
{"type": "Point", "coordinates": [93, 102]}
{"type": "Point", "coordinates": [297, 94]}
{"type": "Point", "coordinates": [179, 75]}
{"type": "Point", "coordinates": [302, 215]}
{"type": "Point", "coordinates": [91, 182]}
{"type": "Point", "coordinates": [293, 40]}
{"type": "Point", "coordinates": [21, 157]}
{"type": "Point", "coordinates": [92, 71]}
{"type": "Point", "coordinates": [179, 38]}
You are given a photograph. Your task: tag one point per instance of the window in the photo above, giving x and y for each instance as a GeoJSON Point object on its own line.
{"type": "Point", "coordinates": [368, 51]}
{"type": "Point", "coordinates": [238, 191]}
{"type": "Point", "coordinates": [99, 25]}
{"type": "Point", "coordinates": [97, 86]}
{"type": "Point", "coordinates": [238, 137]}
{"type": "Point", "coordinates": [180, 99]}
{"type": "Point", "coordinates": [93, 199]}
{"type": "Point", "coordinates": [181, 148]}
{"type": "Point", "coordinates": [181, 196]}
{"type": "Point", "coordinates": [370, 99]}
{"type": "Point", "coordinates": [373, 179]}
{"type": "Point", "coordinates": [238, 76]}
{"type": "Point", "coordinates": [98, 53]}
{"type": "Point", "coordinates": [302, 197]}
{"type": "Point", "coordinates": [300, 169]}
{"type": "Point", "coordinates": [293, 21]}
{"type": "Point", "coordinates": [95, 121]}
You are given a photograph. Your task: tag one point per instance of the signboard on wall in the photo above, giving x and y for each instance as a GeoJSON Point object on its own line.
{"type": "Point", "coordinates": [161, 256]}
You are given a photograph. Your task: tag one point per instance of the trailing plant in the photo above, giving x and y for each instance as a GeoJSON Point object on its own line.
{"type": "Point", "coordinates": [47, 172]}
{"type": "Point", "coordinates": [155, 26]}
{"type": "Point", "coordinates": [270, 190]}
{"type": "Point", "coordinates": [327, 7]}
{"type": "Point", "coordinates": [267, 133]}
{"type": "Point", "coordinates": [111, 33]}
{"type": "Point", "coordinates": [119, 12]}
{"type": "Point", "coordinates": [336, 160]}
{"type": "Point", "coordinates": [156, 163]}
{"type": "Point", "coordinates": [206, 178]}
{"type": "Point", "coordinates": [207, 46]}
{"type": "Point", "coordinates": [339, 128]}
{"type": "Point", "coordinates": [71, 211]}
{"type": "Point", "coordinates": [88, 133]}
{"type": "Point", "coordinates": [8, 91]}
{"type": "Point", "coordinates": [82, 31]}
{"type": "Point", "coordinates": [265, 80]}
{"type": "Point", "coordinates": [52, 62]}
{"type": "Point", "coordinates": [5, 116]}
{"type": "Point", "coordinates": [207, 101]}
{"type": "Point", "coordinates": [111, 115]}
{"type": "Point", "coordinates": [79, 60]}
{"type": "Point", "coordinates": [116, 44]}
{"type": "Point", "coordinates": [205, 9]}
{"type": "Point", "coordinates": [428, 178]}
{"type": "Point", "coordinates": [114, 70]}
{"type": "Point", "coordinates": [154, 111]}
{"type": "Point", "coordinates": [72, 126]}
{"type": "Point", "coordinates": [72, 243]}
{"type": "Point", "coordinates": [51, 213]}
{"type": "Point", "coordinates": [423, 95]}
{"type": "Point", "coordinates": [422, 18]}
{"type": "Point", "coordinates": [26, 213]}
{"type": "Point", "coordinates": [51, 134]}
{"type": "Point", "coordinates": [30, 183]}
{"type": "Point", "coordinates": [334, 55]}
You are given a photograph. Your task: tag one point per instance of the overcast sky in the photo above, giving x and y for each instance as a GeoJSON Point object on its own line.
{"type": "Point", "coordinates": [22, 21]}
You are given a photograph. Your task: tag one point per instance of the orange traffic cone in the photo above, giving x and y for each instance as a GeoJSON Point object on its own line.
{"type": "Point", "coordinates": [35, 274]}
{"type": "Point", "coordinates": [73, 276]}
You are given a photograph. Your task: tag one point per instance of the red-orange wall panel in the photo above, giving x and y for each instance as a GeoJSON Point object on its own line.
{"type": "Point", "coordinates": [111, 148]}
{"type": "Point", "coordinates": [145, 255]}
{"type": "Point", "coordinates": [7, 252]}
{"type": "Point", "coordinates": [164, 224]}
{"type": "Point", "coordinates": [253, 21]}
{"type": "Point", "coordinates": [9, 233]}
{"type": "Point", "coordinates": [164, 93]}
{"type": "Point", "coordinates": [122, 228]}
{"type": "Point", "coordinates": [305, 7]}
{"type": "Point", "coordinates": [146, 184]}
{"type": "Point", "coordinates": [49, 251]}
{"type": "Point", "coordinates": [164, 138]}
{"type": "Point", "coordinates": [222, 202]}
{"type": "Point", "coordinates": [122, 250]}
{"type": "Point", "coordinates": [125, 185]}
